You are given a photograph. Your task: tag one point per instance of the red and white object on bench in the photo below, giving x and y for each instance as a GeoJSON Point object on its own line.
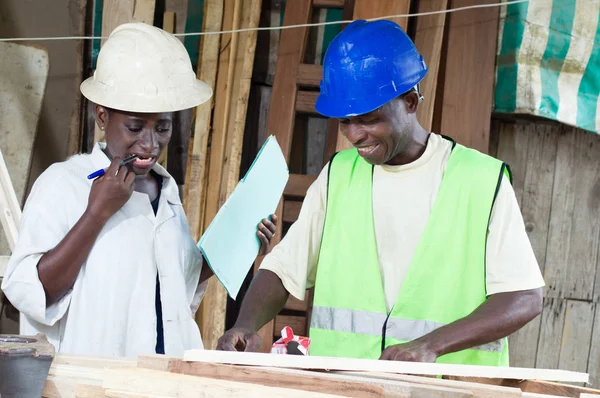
{"type": "Point", "coordinates": [287, 336]}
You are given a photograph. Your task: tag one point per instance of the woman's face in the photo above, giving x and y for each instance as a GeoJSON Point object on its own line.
{"type": "Point", "coordinates": [145, 135]}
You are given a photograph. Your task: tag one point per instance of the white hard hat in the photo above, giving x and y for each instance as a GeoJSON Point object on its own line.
{"type": "Point", "coordinates": [142, 68]}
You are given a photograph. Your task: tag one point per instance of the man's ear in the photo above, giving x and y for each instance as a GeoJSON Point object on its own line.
{"type": "Point", "coordinates": [411, 102]}
{"type": "Point", "coordinates": [101, 116]}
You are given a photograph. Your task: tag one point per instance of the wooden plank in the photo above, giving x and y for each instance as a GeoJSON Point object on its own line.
{"type": "Point", "coordinates": [370, 365]}
{"type": "Point", "coordinates": [66, 387]}
{"type": "Point", "coordinates": [329, 3]}
{"type": "Point", "coordinates": [309, 75]}
{"type": "Point", "coordinates": [552, 324]}
{"type": "Point", "coordinates": [534, 386]}
{"type": "Point", "coordinates": [334, 139]}
{"type": "Point", "coordinates": [195, 189]}
{"type": "Point", "coordinates": [23, 76]}
{"type": "Point", "coordinates": [316, 141]}
{"type": "Point", "coordinates": [267, 43]}
{"type": "Point", "coordinates": [294, 304]}
{"type": "Point", "coordinates": [298, 184]}
{"type": "Point", "coordinates": [10, 210]}
{"type": "Point", "coordinates": [169, 21]}
{"type": "Point", "coordinates": [168, 26]}
{"type": "Point", "coordinates": [179, 7]}
{"type": "Point", "coordinates": [535, 207]}
{"type": "Point", "coordinates": [350, 385]}
{"type": "Point", "coordinates": [428, 40]}
{"type": "Point", "coordinates": [305, 102]}
{"type": "Point", "coordinates": [297, 323]}
{"type": "Point", "coordinates": [574, 229]}
{"type": "Point", "coordinates": [479, 389]}
{"type": "Point", "coordinates": [365, 9]}
{"type": "Point", "coordinates": [594, 359]}
{"type": "Point", "coordinates": [244, 59]}
{"type": "Point", "coordinates": [148, 381]}
{"type": "Point", "coordinates": [3, 263]}
{"type": "Point", "coordinates": [512, 149]}
{"type": "Point", "coordinates": [291, 211]}
{"type": "Point", "coordinates": [178, 149]}
{"type": "Point", "coordinates": [470, 70]}
{"type": "Point", "coordinates": [577, 335]}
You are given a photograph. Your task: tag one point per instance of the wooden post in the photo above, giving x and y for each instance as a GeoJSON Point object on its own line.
{"type": "Point", "coordinates": [428, 40]}
{"type": "Point", "coordinates": [469, 74]}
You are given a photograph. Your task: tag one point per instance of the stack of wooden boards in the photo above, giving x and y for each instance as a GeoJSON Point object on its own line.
{"type": "Point", "coordinates": [206, 373]}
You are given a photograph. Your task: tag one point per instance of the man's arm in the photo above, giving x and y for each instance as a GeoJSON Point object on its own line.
{"type": "Point", "coordinates": [265, 298]}
{"type": "Point", "coordinates": [499, 316]}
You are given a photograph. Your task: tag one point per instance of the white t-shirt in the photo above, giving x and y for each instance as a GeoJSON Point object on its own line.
{"type": "Point", "coordinates": [403, 197]}
{"type": "Point", "coordinates": [110, 310]}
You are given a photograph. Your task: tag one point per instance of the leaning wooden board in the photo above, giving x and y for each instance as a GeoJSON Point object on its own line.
{"type": "Point", "coordinates": [368, 365]}
{"type": "Point", "coordinates": [23, 76]}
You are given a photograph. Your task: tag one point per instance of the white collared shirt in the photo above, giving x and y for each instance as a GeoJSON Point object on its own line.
{"type": "Point", "coordinates": [110, 310]}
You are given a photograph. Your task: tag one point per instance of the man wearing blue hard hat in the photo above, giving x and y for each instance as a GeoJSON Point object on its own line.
{"type": "Point", "coordinates": [415, 245]}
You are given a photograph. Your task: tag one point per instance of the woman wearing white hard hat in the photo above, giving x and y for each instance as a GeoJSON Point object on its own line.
{"type": "Point", "coordinates": [105, 265]}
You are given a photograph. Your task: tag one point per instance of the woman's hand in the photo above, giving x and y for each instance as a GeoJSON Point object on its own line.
{"type": "Point", "coordinates": [111, 191]}
{"type": "Point", "coordinates": [266, 232]}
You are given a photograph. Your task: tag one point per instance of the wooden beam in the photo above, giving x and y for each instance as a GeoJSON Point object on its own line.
{"type": "Point", "coordinates": [347, 385]}
{"type": "Point", "coordinates": [533, 386]}
{"type": "Point", "coordinates": [291, 211]}
{"type": "Point", "coordinates": [309, 75]}
{"type": "Point", "coordinates": [328, 3]}
{"type": "Point", "coordinates": [168, 26]}
{"type": "Point", "coordinates": [10, 210]}
{"type": "Point", "coordinates": [153, 382]}
{"type": "Point", "coordinates": [3, 263]}
{"type": "Point", "coordinates": [297, 323]}
{"type": "Point", "coordinates": [298, 184]}
{"type": "Point", "coordinates": [305, 102]}
{"type": "Point", "coordinates": [366, 9]}
{"type": "Point", "coordinates": [195, 187]}
{"type": "Point", "coordinates": [179, 7]}
{"type": "Point", "coordinates": [294, 304]}
{"type": "Point", "coordinates": [469, 74]}
{"type": "Point", "coordinates": [428, 40]}
{"type": "Point", "coordinates": [369, 365]}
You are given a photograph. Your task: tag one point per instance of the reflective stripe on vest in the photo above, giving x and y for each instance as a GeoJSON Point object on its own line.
{"type": "Point", "coordinates": [371, 323]}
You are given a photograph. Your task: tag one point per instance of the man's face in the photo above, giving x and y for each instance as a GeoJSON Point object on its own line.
{"type": "Point", "coordinates": [379, 135]}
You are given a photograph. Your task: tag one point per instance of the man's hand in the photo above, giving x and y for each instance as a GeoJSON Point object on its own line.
{"type": "Point", "coordinates": [239, 339]}
{"type": "Point", "coordinates": [413, 351]}
{"type": "Point", "coordinates": [266, 232]}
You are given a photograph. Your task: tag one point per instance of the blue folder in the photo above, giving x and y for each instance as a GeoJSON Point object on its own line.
{"type": "Point", "coordinates": [230, 244]}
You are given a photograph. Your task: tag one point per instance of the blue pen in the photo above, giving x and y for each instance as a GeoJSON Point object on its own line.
{"type": "Point", "coordinates": [101, 172]}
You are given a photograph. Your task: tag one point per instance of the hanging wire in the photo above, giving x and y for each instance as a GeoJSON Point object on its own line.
{"type": "Point", "coordinates": [419, 14]}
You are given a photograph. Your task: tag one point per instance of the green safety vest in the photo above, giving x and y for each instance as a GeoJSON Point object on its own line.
{"type": "Point", "coordinates": [446, 277]}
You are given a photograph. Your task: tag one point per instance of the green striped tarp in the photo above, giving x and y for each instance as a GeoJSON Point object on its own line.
{"type": "Point", "coordinates": [548, 61]}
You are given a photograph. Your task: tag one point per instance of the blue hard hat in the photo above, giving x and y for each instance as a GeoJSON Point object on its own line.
{"type": "Point", "coordinates": [367, 65]}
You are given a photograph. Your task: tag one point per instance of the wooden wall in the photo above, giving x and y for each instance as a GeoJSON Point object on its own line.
{"type": "Point", "coordinates": [557, 182]}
